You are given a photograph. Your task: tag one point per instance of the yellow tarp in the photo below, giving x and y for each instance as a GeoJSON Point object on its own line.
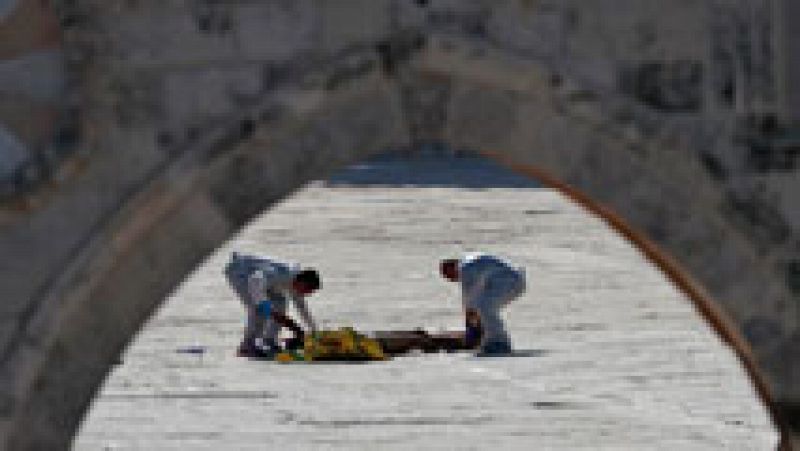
{"type": "Point", "coordinates": [342, 344]}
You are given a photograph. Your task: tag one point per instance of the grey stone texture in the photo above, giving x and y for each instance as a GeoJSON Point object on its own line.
{"type": "Point", "coordinates": [175, 122]}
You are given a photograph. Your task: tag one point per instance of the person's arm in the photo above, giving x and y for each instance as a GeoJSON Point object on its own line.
{"type": "Point", "coordinates": [473, 284]}
{"type": "Point", "coordinates": [302, 309]}
{"type": "Point", "coordinates": [287, 322]}
{"type": "Point", "coordinates": [472, 328]}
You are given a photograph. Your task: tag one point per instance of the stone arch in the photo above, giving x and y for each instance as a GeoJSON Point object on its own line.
{"type": "Point", "coordinates": [94, 252]}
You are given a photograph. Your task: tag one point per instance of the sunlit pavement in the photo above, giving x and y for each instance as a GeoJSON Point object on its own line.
{"type": "Point", "coordinates": [612, 356]}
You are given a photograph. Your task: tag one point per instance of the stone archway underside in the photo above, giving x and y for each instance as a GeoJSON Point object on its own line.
{"type": "Point", "coordinates": [183, 125]}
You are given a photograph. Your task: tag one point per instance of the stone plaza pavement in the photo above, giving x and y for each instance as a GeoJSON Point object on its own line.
{"type": "Point", "coordinates": [612, 356]}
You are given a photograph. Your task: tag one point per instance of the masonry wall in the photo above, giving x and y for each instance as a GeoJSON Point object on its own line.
{"type": "Point", "coordinates": [174, 122]}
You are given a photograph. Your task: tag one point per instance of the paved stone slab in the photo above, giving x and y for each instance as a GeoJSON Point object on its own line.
{"type": "Point", "coordinates": [616, 358]}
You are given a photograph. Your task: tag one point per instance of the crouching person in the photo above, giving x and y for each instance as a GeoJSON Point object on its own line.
{"type": "Point", "coordinates": [488, 284]}
{"type": "Point", "coordinates": [264, 285]}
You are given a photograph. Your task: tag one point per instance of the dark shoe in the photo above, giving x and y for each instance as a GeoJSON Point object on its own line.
{"type": "Point", "coordinates": [257, 349]}
{"type": "Point", "coordinates": [496, 348]}
{"type": "Point", "coordinates": [245, 348]}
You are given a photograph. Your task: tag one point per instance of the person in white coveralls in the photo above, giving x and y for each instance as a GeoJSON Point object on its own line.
{"type": "Point", "coordinates": [263, 286]}
{"type": "Point", "coordinates": [488, 284]}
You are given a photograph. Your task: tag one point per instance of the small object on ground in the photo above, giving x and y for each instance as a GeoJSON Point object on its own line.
{"type": "Point", "coordinates": [197, 350]}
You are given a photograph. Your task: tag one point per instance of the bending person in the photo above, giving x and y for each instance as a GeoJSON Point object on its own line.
{"type": "Point", "coordinates": [263, 286]}
{"type": "Point", "coordinates": [488, 284]}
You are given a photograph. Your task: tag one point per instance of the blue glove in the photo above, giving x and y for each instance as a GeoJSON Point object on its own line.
{"type": "Point", "coordinates": [264, 308]}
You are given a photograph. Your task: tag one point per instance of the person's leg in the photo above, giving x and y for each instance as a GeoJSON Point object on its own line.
{"type": "Point", "coordinates": [493, 332]}
{"type": "Point", "coordinates": [270, 330]}
{"type": "Point", "coordinates": [495, 339]}
{"type": "Point", "coordinates": [237, 274]}
{"type": "Point", "coordinates": [501, 289]}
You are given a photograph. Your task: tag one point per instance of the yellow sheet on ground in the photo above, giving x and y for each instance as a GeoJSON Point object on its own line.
{"type": "Point", "coordinates": [341, 344]}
